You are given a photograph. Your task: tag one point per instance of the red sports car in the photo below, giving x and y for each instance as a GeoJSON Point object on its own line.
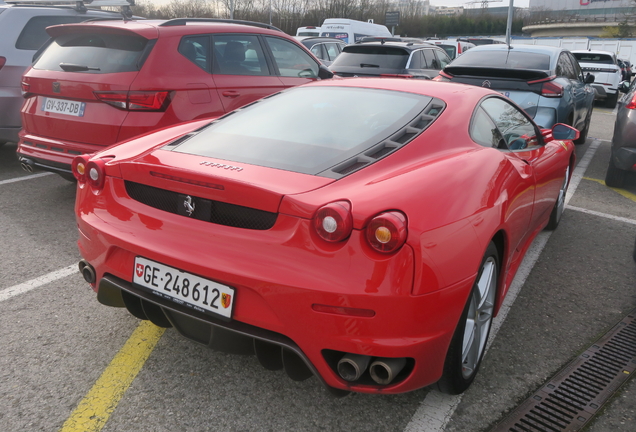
{"type": "Point", "coordinates": [364, 231]}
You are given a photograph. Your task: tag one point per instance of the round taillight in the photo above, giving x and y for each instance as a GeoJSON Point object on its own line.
{"type": "Point", "coordinates": [78, 167]}
{"type": "Point", "coordinates": [387, 232]}
{"type": "Point", "coordinates": [94, 172]}
{"type": "Point", "coordinates": [333, 221]}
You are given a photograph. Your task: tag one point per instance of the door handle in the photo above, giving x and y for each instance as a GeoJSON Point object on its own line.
{"type": "Point", "coordinates": [231, 94]}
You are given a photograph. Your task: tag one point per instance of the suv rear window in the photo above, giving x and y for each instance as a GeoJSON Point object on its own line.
{"type": "Point", "coordinates": [93, 53]}
{"type": "Point", "coordinates": [594, 58]}
{"type": "Point", "coordinates": [307, 130]}
{"type": "Point", "coordinates": [374, 56]}
{"type": "Point", "coordinates": [504, 59]}
{"type": "Point", "coordinates": [34, 33]}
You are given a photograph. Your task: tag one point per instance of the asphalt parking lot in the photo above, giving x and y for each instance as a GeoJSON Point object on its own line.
{"type": "Point", "coordinates": [68, 363]}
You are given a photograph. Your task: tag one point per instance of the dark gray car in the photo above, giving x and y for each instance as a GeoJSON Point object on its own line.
{"type": "Point", "coordinates": [390, 59]}
{"type": "Point", "coordinates": [623, 157]}
{"type": "Point", "coordinates": [545, 81]}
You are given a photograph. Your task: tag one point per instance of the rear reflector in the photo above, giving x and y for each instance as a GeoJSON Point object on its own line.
{"type": "Point", "coordinates": [337, 310]}
{"type": "Point", "coordinates": [136, 100]}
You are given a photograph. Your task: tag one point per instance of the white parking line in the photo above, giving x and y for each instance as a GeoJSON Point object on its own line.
{"type": "Point", "coordinates": [437, 409]}
{"type": "Point", "coordinates": [603, 215]}
{"type": "Point", "coordinates": [29, 177]}
{"type": "Point", "coordinates": [15, 290]}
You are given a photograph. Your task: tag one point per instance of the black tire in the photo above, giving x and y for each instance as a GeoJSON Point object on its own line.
{"type": "Point", "coordinates": [461, 365]}
{"type": "Point", "coordinates": [615, 177]}
{"type": "Point", "coordinates": [586, 128]}
{"type": "Point", "coordinates": [559, 205]}
{"type": "Point", "coordinates": [611, 100]}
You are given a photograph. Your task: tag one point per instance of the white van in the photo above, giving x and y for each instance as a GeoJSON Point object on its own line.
{"type": "Point", "coordinates": [350, 31]}
{"type": "Point", "coordinates": [311, 31]}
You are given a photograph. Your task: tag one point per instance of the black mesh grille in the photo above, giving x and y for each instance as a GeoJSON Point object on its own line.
{"type": "Point", "coordinates": [216, 212]}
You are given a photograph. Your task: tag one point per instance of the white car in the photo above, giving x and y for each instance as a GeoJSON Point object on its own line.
{"type": "Point", "coordinates": [607, 73]}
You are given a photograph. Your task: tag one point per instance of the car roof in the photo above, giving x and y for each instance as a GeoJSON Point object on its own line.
{"type": "Point", "coordinates": [150, 28]}
{"type": "Point", "coordinates": [407, 45]}
{"type": "Point", "coordinates": [594, 52]}
{"type": "Point", "coordinates": [315, 39]}
{"type": "Point", "coordinates": [539, 49]}
{"type": "Point", "coordinates": [449, 92]}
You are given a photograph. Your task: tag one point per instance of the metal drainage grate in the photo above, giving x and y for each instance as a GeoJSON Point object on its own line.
{"type": "Point", "coordinates": [575, 394]}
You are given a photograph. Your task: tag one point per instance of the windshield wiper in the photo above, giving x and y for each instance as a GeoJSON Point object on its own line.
{"type": "Point", "coordinates": [69, 67]}
{"type": "Point", "coordinates": [363, 65]}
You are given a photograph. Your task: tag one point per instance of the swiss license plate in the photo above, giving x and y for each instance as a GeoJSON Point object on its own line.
{"type": "Point", "coordinates": [184, 288]}
{"type": "Point", "coordinates": [62, 106]}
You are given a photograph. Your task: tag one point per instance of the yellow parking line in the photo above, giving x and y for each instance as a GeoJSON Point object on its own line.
{"type": "Point", "coordinates": [623, 192]}
{"type": "Point", "coordinates": [93, 411]}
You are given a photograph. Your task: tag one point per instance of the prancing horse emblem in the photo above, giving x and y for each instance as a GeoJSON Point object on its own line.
{"type": "Point", "coordinates": [189, 205]}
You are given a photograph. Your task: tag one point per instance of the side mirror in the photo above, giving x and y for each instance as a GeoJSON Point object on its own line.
{"type": "Point", "coordinates": [623, 86]}
{"type": "Point", "coordinates": [324, 72]}
{"type": "Point", "coordinates": [562, 131]}
{"type": "Point", "coordinates": [589, 78]}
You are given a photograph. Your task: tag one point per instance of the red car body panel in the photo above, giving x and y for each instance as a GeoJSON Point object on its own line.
{"type": "Point", "coordinates": [194, 93]}
{"type": "Point", "coordinates": [467, 196]}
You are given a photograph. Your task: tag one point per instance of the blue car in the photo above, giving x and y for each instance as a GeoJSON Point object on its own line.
{"type": "Point", "coordinates": [547, 82]}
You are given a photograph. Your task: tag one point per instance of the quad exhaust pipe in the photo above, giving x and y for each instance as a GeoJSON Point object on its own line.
{"type": "Point", "coordinates": [352, 366]}
{"type": "Point", "coordinates": [384, 370]}
{"type": "Point", "coordinates": [88, 272]}
{"type": "Point", "coordinates": [27, 164]}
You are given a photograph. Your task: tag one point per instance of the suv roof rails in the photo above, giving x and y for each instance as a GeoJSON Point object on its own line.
{"type": "Point", "coordinates": [184, 21]}
{"type": "Point", "coordinates": [79, 5]}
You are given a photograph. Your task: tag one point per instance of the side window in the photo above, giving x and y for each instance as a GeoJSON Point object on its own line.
{"type": "Point", "coordinates": [416, 60]}
{"type": "Point", "coordinates": [196, 49]}
{"type": "Point", "coordinates": [291, 60]}
{"type": "Point", "coordinates": [484, 132]}
{"type": "Point", "coordinates": [34, 33]}
{"type": "Point", "coordinates": [332, 50]}
{"type": "Point", "coordinates": [517, 131]}
{"type": "Point", "coordinates": [239, 55]}
{"type": "Point", "coordinates": [319, 52]}
{"type": "Point", "coordinates": [430, 59]}
{"type": "Point", "coordinates": [564, 67]}
{"type": "Point", "coordinates": [577, 67]}
{"type": "Point", "coordinates": [444, 60]}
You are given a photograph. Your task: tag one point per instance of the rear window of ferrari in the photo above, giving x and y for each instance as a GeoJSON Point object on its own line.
{"type": "Point", "coordinates": [504, 59]}
{"type": "Point", "coordinates": [311, 129]}
{"type": "Point", "coordinates": [93, 53]}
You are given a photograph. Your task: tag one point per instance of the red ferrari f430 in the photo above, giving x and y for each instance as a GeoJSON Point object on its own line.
{"type": "Point", "coordinates": [364, 231]}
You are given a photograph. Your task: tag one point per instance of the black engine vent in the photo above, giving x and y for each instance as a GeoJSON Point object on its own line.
{"type": "Point", "coordinates": [216, 212]}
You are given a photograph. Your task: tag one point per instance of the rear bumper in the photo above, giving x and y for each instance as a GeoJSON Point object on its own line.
{"type": "Point", "coordinates": [51, 155]}
{"type": "Point", "coordinates": [624, 158]}
{"type": "Point", "coordinates": [278, 274]}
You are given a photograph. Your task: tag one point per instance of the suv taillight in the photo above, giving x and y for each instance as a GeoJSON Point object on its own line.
{"type": "Point", "coordinates": [632, 103]}
{"type": "Point", "coordinates": [136, 100]}
{"type": "Point", "coordinates": [3, 60]}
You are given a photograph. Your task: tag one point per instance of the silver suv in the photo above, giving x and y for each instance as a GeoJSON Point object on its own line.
{"type": "Point", "coordinates": [22, 33]}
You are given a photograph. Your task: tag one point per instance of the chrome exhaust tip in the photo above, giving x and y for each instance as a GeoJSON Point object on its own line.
{"type": "Point", "coordinates": [384, 370]}
{"type": "Point", "coordinates": [27, 165]}
{"type": "Point", "coordinates": [352, 366]}
{"type": "Point", "coordinates": [88, 272]}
